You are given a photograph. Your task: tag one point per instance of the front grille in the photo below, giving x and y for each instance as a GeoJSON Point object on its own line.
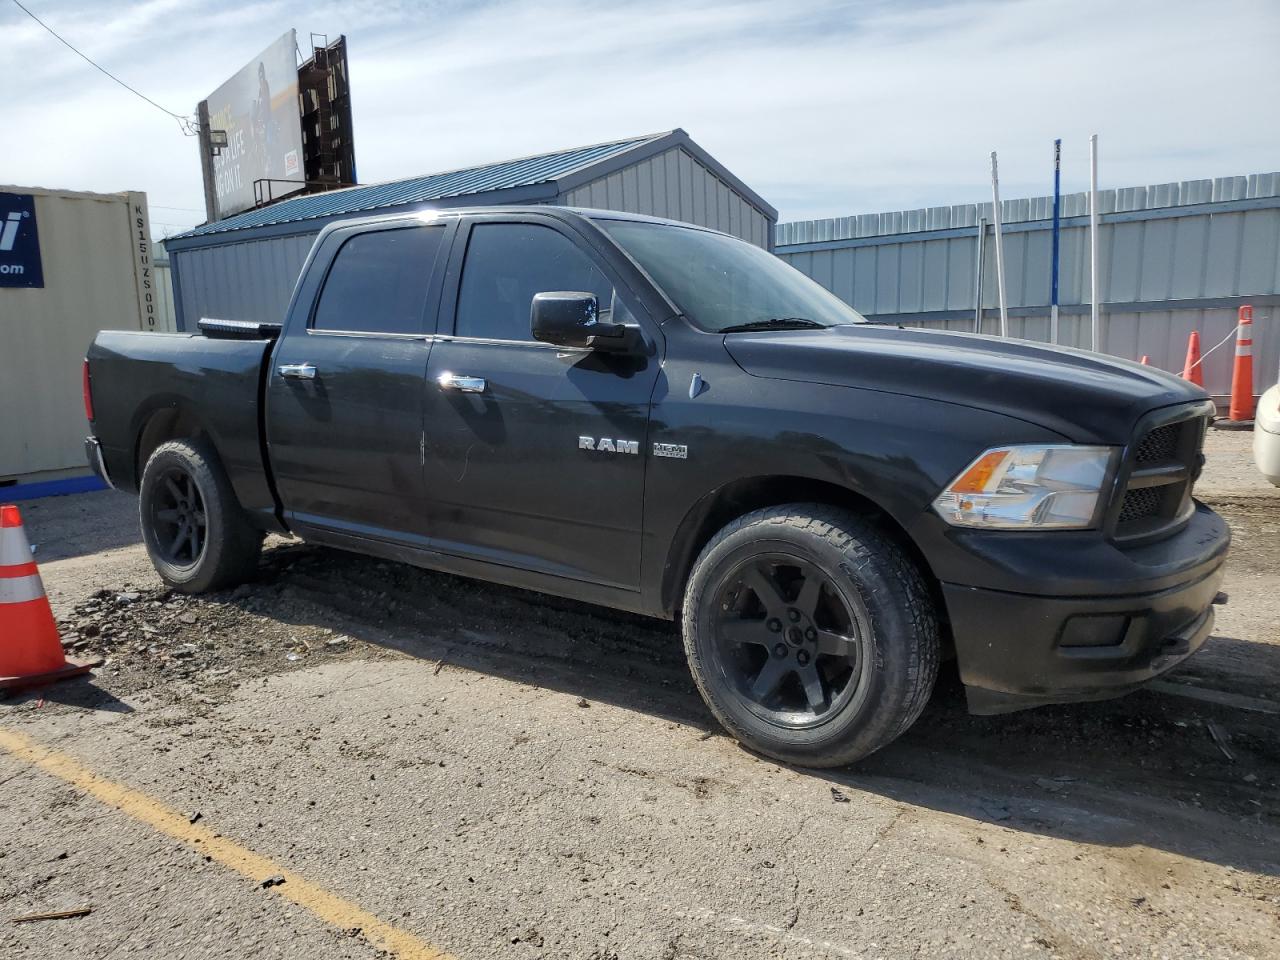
{"type": "Point", "coordinates": [1140, 504]}
{"type": "Point", "coordinates": [1162, 465]}
{"type": "Point", "coordinates": [1160, 444]}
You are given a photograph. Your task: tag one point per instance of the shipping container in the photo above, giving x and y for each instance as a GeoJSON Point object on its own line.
{"type": "Point", "coordinates": [71, 264]}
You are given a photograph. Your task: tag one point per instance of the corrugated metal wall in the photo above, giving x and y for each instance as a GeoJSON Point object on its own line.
{"type": "Point", "coordinates": [92, 282]}
{"type": "Point", "coordinates": [164, 294]}
{"type": "Point", "coordinates": [240, 277]}
{"type": "Point", "coordinates": [674, 184]}
{"type": "Point", "coordinates": [1173, 258]}
{"type": "Point", "coordinates": [250, 280]}
{"type": "Point", "coordinates": [165, 309]}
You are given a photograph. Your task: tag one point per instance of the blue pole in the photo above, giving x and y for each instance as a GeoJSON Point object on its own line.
{"type": "Point", "coordinates": [1057, 201]}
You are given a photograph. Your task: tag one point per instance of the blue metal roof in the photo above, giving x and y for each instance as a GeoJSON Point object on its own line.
{"type": "Point", "coordinates": [525, 172]}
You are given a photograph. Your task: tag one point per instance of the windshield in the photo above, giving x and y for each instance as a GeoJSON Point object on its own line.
{"type": "Point", "coordinates": [722, 284]}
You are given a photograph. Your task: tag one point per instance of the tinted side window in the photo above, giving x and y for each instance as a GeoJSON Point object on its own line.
{"type": "Point", "coordinates": [506, 264]}
{"type": "Point", "coordinates": [378, 282]}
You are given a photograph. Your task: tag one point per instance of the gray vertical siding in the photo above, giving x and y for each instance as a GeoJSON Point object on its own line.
{"type": "Point", "coordinates": [248, 278]}
{"type": "Point", "coordinates": [165, 311]}
{"type": "Point", "coordinates": [674, 184]}
{"type": "Point", "coordinates": [1173, 258]}
{"type": "Point", "coordinates": [251, 280]}
{"type": "Point", "coordinates": [1200, 255]}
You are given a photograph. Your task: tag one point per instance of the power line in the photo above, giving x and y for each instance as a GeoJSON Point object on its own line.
{"type": "Point", "coordinates": [188, 125]}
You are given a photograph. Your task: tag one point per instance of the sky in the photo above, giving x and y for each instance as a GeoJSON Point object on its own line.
{"type": "Point", "coordinates": [823, 108]}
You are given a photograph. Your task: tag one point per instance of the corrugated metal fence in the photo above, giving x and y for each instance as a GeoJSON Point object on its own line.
{"type": "Point", "coordinates": [1174, 258]}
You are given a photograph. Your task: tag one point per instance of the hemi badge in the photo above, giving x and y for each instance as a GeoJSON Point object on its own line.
{"type": "Point", "coordinates": [677, 451]}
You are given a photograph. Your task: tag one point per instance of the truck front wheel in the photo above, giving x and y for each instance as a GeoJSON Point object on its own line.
{"type": "Point", "coordinates": [196, 534]}
{"type": "Point", "coordinates": [810, 634]}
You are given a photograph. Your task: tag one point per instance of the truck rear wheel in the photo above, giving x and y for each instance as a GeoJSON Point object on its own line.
{"type": "Point", "coordinates": [196, 534]}
{"type": "Point", "coordinates": [810, 634]}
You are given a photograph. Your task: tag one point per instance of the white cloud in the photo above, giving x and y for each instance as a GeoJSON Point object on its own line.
{"type": "Point", "coordinates": [825, 109]}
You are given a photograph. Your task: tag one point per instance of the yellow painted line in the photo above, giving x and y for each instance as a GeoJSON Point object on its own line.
{"type": "Point", "coordinates": [329, 907]}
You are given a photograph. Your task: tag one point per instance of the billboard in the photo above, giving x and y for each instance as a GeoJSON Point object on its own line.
{"type": "Point", "coordinates": [258, 111]}
{"type": "Point", "coordinates": [324, 87]}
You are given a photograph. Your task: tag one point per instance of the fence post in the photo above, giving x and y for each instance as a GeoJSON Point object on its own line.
{"type": "Point", "coordinates": [1095, 319]}
{"type": "Point", "coordinates": [996, 216]}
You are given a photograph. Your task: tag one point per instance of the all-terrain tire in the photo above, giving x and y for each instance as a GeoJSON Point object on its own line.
{"type": "Point", "coordinates": [869, 573]}
{"type": "Point", "coordinates": [229, 546]}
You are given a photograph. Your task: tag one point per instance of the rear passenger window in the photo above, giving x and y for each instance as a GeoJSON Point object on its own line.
{"type": "Point", "coordinates": [378, 282]}
{"type": "Point", "coordinates": [506, 264]}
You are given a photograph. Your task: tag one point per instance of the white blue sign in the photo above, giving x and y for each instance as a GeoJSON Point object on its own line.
{"type": "Point", "coordinates": [19, 242]}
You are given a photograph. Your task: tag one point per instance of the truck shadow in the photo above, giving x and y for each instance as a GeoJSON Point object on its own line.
{"type": "Point", "coordinates": [75, 526]}
{"type": "Point", "coordinates": [1148, 770]}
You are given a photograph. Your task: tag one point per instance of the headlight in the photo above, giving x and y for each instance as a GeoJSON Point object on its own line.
{"type": "Point", "coordinates": [1030, 487]}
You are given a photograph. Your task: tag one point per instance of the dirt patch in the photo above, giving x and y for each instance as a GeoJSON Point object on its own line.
{"type": "Point", "coordinates": [154, 637]}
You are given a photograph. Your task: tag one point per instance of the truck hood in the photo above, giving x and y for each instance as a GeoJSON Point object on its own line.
{"type": "Point", "coordinates": [1085, 397]}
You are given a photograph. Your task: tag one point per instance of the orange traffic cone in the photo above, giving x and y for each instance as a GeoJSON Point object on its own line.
{"type": "Point", "coordinates": [30, 650]}
{"type": "Point", "coordinates": [1145, 361]}
{"type": "Point", "coordinates": [1242, 401]}
{"type": "Point", "coordinates": [1191, 369]}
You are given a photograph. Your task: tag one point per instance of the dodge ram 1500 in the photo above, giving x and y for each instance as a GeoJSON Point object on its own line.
{"type": "Point", "coordinates": [658, 417]}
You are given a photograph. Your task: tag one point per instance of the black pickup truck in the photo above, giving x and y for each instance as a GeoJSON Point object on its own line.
{"type": "Point", "coordinates": [656, 417]}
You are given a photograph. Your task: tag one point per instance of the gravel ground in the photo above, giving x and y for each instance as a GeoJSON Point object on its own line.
{"type": "Point", "coordinates": [506, 774]}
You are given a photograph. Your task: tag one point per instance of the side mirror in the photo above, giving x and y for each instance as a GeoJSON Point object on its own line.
{"type": "Point", "coordinates": [571, 318]}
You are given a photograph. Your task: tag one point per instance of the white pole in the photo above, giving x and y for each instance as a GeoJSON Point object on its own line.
{"type": "Point", "coordinates": [1095, 320]}
{"type": "Point", "coordinates": [977, 275]}
{"type": "Point", "coordinates": [1057, 236]}
{"type": "Point", "coordinates": [996, 218]}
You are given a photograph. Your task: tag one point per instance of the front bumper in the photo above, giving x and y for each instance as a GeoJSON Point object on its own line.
{"type": "Point", "coordinates": [1020, 650]}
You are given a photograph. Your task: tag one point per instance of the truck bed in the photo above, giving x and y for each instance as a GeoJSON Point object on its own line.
{"type": "Point", "coordinates": [144, 382]}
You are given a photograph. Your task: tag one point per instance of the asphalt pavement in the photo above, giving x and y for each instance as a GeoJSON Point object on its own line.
{"type": "Point", "coordinates": [437, 767]}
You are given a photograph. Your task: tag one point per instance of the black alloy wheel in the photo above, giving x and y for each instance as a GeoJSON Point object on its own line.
{"type": "Point", "coordinates": [198, 537]}
{"type": "Point", "coordinates": [793, 649]}
{"type": "Point", "coordinates": [811, 633]}
{"type": "Point", "coordinates": [179, 519]}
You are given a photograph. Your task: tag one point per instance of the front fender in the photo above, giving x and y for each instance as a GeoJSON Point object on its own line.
{"type": "Point", "coordinates": [893, 452]}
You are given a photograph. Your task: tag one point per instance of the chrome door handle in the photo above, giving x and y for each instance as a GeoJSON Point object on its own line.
{"type": "Point", "coordinates": [297, 371]}
{"type": "Point", "coordinates": [452, 381]}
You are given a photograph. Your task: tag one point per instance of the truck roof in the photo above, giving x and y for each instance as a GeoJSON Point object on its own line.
{"type": "Point", "coordinates": [557, 212]}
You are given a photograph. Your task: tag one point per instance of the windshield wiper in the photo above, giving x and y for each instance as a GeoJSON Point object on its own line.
{"type": "Point", "coordinates": [776, 323]}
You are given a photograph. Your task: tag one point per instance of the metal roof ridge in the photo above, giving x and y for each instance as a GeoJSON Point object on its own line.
{"type": "Point", "coordinates": [644, 138]}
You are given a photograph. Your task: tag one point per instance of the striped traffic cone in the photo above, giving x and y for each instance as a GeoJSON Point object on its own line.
{"type": "Point", "coordinates": [1242, 401]}
{"type": "Point", "coordinates": [30, 649]}
{"type": "Point", "coordinates": [1191, 370]}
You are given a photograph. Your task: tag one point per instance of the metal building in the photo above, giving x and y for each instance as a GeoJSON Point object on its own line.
{"type": "Point", "coordinates": [76, 263]}
{"type": "Point", "coordinates": [244, 267]}
{"type": "Point", "coordinates": [164, 287]}
{"type": "Point", "coordinates": [1174, 257]}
